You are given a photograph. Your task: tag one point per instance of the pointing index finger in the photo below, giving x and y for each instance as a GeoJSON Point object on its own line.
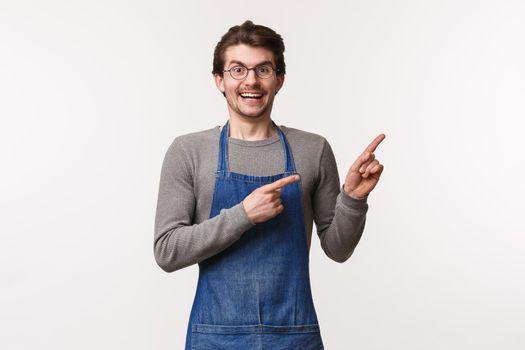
{"type": "Point", "coordinates": [281, 183]}
{"type": "Point", "coordinates": [373, 145]}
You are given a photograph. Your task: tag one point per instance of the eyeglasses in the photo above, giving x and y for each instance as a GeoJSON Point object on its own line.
{"type": "Point", "coordinates": [263, 71]}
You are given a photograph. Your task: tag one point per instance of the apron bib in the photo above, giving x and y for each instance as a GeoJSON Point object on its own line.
{"type": "Point", "coordinates": [256, 293]}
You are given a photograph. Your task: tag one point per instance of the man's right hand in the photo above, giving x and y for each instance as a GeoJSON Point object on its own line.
{"type": "Point", "coordinates": [264, 203]}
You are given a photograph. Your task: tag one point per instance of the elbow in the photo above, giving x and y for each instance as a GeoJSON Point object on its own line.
{"type": "Point", "coordinates": [169, 256]}
{"type": "Point", "coordinates": [165, 266]}
{"type": "Point", "coordinates": [337, 252]}
{"type": "Point", "coordinates": [342, 258]}
{"type": "Point", "coordinates": [165, 260]}
{"type": "Point", "coordinates": [338, 255]}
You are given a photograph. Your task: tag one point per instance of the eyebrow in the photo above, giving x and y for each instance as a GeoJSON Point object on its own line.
{"type": "Point", "coordinates": [243, 64]}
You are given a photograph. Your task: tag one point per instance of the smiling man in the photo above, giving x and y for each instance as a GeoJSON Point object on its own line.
{"type": "Point", "coordinates": [249, 95]}
{"type": "Point", "coordinates": [240, 200]}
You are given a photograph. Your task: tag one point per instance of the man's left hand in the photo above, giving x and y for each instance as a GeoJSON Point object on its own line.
{"type": "Point", "coordinates": [364, 174]}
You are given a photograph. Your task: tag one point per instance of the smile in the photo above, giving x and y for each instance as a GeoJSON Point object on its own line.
{"type": "Point", "coordinates": [251, 95]}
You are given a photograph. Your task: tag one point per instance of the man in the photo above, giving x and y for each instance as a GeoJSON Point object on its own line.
{"type": "Point", "coordinates": [240, 201]}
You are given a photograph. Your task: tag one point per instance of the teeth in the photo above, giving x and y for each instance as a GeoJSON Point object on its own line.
{"type": "Point", "coordinates": [249, 94]}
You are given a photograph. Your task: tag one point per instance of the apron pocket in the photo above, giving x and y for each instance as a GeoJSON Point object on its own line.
{"type": "Point", "coordinates": [214, 337]}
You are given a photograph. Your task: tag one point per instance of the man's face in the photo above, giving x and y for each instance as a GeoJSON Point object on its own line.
{"type": "Point", "coordinates": [252, 97]}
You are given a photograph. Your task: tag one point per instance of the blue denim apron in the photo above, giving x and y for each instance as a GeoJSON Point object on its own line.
{"type": "Point", "coordinates": [256, 293]}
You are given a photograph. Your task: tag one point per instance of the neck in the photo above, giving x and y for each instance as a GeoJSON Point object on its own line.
{"type": "Point", "coordinates": [251, 130]}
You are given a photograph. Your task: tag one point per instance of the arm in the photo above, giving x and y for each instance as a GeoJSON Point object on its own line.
{"type": "Point", "coordinates": [178, 241]}
{"type": "Point", "coordinates": [340, 219]}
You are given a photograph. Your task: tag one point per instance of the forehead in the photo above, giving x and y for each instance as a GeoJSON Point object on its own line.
{"type": "Point", "coordinates": [248, 55]}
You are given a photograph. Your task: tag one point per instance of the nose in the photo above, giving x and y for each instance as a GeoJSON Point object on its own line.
{"type": "Point", "coordinates": [251, 78]}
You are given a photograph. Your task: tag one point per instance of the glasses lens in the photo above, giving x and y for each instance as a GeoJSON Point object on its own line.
{"type": "Point", "coordinates": [238, 72]}
{"type": "Point", "coordinates": [264, 71]}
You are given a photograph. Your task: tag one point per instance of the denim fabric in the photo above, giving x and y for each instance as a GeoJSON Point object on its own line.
{"type": "Point", "coordinates": [256, 294]}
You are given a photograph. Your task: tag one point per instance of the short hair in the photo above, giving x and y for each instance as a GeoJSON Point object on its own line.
{"type": "Point", "coordinates": [252, 35]}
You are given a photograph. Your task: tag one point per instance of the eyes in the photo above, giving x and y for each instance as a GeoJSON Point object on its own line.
{"type": "Point", "coordinates": [238, 70]}
{"type": "Point", "coordinates": [263, 71]}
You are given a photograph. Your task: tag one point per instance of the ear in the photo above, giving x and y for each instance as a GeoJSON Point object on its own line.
{"type": "Point", "coordinates": [280, 82]}
{"type": "Point", "coordinates": [219, 81]}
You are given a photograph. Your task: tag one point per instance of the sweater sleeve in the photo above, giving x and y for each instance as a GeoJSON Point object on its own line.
{"type": "Point", "coordinates": [339, 218]}
{"type": "Point", "coordinates": [178, 241]}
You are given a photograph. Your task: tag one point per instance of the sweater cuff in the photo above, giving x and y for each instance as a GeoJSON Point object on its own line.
{"type": "Point", "coordinates": [241, 218]}
{"type": "Point", "coordinates": [353, 202]}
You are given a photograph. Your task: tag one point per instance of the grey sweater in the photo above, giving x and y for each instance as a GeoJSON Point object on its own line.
{"type": "Point", "coordinates": [184, 234]}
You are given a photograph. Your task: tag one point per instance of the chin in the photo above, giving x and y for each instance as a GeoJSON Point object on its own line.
{"type": "Point", "coordinates": [253, 114]}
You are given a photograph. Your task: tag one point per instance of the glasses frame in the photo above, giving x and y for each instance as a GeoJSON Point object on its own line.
{"type": "Point", "coordinates": [249, 69]}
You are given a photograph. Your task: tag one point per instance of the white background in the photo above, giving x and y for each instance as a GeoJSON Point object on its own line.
{"type": "Point", "coordinates": [93, 92]}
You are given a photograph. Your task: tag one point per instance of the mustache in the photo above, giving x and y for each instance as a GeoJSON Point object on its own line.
{"type": "Point", "coordinates": [255, 88]}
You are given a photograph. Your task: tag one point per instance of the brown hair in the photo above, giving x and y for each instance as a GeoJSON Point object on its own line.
{"type": "Point", "coordinates": [252, 35]}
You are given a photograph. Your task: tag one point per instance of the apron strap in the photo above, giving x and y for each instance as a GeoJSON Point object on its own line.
{"type": "Point", "coordinates": [222, 164]}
